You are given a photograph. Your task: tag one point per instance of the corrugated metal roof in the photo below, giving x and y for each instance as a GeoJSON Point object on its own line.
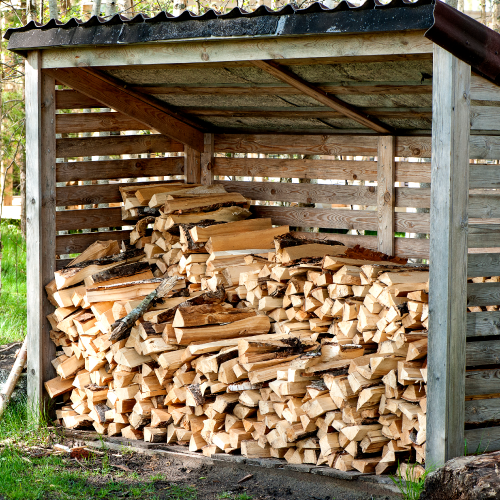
{"type": "Point", "coordinates": [372, 16]}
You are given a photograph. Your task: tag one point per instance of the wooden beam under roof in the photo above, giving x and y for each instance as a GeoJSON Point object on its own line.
{"type": "Point", "coordinates": [287, 76]}
{"type": "Point", "coordinates": [113, 94]}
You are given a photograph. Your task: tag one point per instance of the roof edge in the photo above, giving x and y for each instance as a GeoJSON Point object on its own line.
{"type": "Point", "coordinates": [467, 39]}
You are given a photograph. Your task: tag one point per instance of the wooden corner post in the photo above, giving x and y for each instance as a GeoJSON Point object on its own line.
{"type": "Point", "coordinates": [40, 222]}
{"type": "Point", "coordinates": [448, 257]}
{"type": "Point", "coordinates": [207, 158]}
{"type": "Point", "coordinates": [192, 169]}
{"type": "Point", "coordinates": [385, 194]}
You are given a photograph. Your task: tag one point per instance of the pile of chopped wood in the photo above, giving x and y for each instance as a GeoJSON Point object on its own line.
{"type": "Point", "coordinates": [228, 335]}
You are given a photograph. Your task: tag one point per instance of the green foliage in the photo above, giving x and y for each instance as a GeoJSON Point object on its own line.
{"type": "Point", "coordinates": [408, 484]}
{"type": "Point", "coordinates": [13, 293]}
{"type": "Point", "coordinates": [231, 496]}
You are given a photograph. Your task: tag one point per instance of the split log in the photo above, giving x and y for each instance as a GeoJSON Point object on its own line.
{"type": "Point", "coordinates": [122, 326]}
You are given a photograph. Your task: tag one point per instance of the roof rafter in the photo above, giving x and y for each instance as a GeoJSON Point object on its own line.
{"type": "Point", "coordinates": [287, 76]}
{"type": "Point", "coordinates": [143, 108]}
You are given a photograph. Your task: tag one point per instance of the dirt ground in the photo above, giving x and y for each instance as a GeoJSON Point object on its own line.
{"type": "Point", "coordinates": [213, 479]}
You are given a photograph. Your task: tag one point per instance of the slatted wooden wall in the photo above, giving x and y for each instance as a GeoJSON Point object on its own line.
{"type": "Point", "coordinates": [333, 161]}
{"type": "Point", "coordinates": [80, 172]}
{"type": "Point", "coordinates": [482, 384]}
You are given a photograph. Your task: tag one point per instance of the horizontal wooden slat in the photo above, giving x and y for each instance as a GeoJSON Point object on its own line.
{"type": "Point", "coordinates": [72, 99]}
{"type": "Point", "coordinates": [60, 263]}
{"type": "Point", "coordinates": [119, 169]}
{"type": "Point", "coordinates": [303, 112]}
{"type": "Point", "coordinates": [483, 264]}
{"type": "Point", "coordinates": [340, 219]}
{"type": "Point", "coordinates": [116, 145]}
{"type": "Point", "coordinates": [88, 219]}
{"type": "Point", "coordinates": [484, 235]}
{"type": "Point", "coordinates": [482, 440]}
{"type": "Point", "coordinates": [484, 118]}
{"type": "Point", "coordinates": [483, 147]}
{"type": "Point", "coordinates": [344, 88]}
{"type": "Point", "coordinates": [349, 145]}
{"type": "Point", "coordinates": [484, 204]}
{"type": "Point", "coordinates": [484, 176]}
{"type": "Point", "coordinates": [69, 123]}
{"type": "Point", "coordinates": [482, 353]}
{"type": "Point", "coordinates": [482, 411]}
{"type": "Point", "coordinates": [482, 382]}
{"type": "Point", "coordinates": [483, 294]}
{"type": "Point", "coordinates": [94, 194]}
{"type": "Point", "coordinates": [317, 169]}
{"type": "Point", "coordinates": [484, 323]}
{"type": "Point", "coordinates": [404, 247]}
{"type": "Point", "coordinates": [325, 193]}
{"type": "Point", "coordinates": [483, 90]}
{"type": "Point", "coordinates": [77, 243]}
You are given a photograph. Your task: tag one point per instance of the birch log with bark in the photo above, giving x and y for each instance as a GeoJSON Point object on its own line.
{"type": "Point", "coordinates": [14, 376]}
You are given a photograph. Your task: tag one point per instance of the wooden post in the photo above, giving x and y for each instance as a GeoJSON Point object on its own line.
{"type": "Point", "coordinates": [40, 222]}
{"type": "Point", "coordinates": [207, 177]}
{"type": "Point", "coordinates": [192, 169]}
{"type": "Point", "coordinates": [448, 257]}
{"type": "Point", "coordinates": [385, 194]}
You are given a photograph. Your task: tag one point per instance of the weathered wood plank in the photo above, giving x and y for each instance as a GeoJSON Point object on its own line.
{"type": "Point", "coordinates": [481, 353]}
{"type": "Point", "coordinates": [336, 88]}
{"type": "Point", "coordinates": [345, 145]}
{"type": "Point", "coordinates": [94, 194]}
{"type": "Point", "coordinates": [68, 123]}
{"type": "Point", "coordinates": [484, 204]}
{"type": "Point", "coordinates": [484, 118]}
{"type": "Point", "coordinates": [448, 266]}
{"type": "Point", "coordinates": [119, 169]}
{"type": "Point", "coordinates": [116, 145]}
{"type": "Point", "coordinates": [318, 169]}
{"type": "Point", "coordinates": [483, 90]}
{"type": "Point", "coordinates": [482, 411]}
{"type": "Point", "coordinates": [484, 176]}
{"type": "Point", "coordinates": [325, 193]}
{"type": "Point", "coordinates": [60, 263]}
{"type": "Point", "coordinates": [72, 99]}
{"type": "Point", "coordinates": [91, 218]}
{"type": "Point", "coordinates": [405, 247]}
{"type": "Point", "coordinates": [207, 161]}
{"type": "Point", "coordinates": [152, 113]}
{"type": "Point", "coordinates": [483, 324]}
{"type": "Point", "coordinates": [482, 382]}
{"type": "Point", "coordinates": [401, 45]}
{"type": "Point", "coordinates": [480, 146]}
{"type": "Point", "coordinates": [40, 224]}
{"type": "Point", "coordinates": [485, 235]}
{"type": "Point", "coordinates": [340, 219]}
{"type": "Point", "coordinates": [482, 440]}
{"type": "Point", "coordinates": [483, 264]}
{"type": "Point", "coordinates": [483, 294]}
{"type": "Point", "coordinates": [192, 166]}
{"type": "Point", "coordinates": [77, 243]}
{"type": "Point", "coordinates": [386, 199]}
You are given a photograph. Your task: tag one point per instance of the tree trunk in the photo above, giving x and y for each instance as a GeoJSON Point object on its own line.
{"type": "Point", "coordinates": [465, 478]}
{"type": "Point", "coordinates": [53, 10]}
{"type": "Point", "coordinates": [96, 8]}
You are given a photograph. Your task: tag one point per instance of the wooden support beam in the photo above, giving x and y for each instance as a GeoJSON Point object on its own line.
{"type": "Point", "coordinates": [448, 268]}
{"type": "Point", "coordinates": [386, 194]}
{"type": "Point", "coordinates": [207, 161]}
{"type": "Point", "coordinates": [40, 223]}
{"type": "Point", "coordinates": [145, 109]}
{"type": "Point", "coordinates": [287, 76]}
{"type": "Point", "coordinates": [192, 168]}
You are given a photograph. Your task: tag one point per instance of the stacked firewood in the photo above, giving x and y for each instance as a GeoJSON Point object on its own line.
{"type": "Point", "coordinates": [230, 336]}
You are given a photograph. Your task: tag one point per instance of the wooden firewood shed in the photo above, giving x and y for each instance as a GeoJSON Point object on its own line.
{"type": "Point", "coordinates": [398, 94]}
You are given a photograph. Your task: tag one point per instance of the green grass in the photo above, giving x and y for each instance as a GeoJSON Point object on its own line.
{"type": "Point", "coordinates": [13, 291]}
{"type": "Point", "coordinates": [410, 487]}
